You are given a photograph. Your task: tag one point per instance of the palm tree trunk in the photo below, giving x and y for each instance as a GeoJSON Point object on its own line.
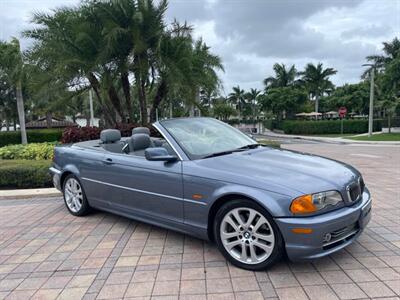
{"type": "Point", "coordinates": [141, 87]}
{"type": "Point", "coordinates": [316, 103]}
{"type": "Point", "coordinates": [109, 117]}
{"type": "Point", "coordinates": [116, 103]}
{"type": "Point", "coordinates": [127, 93]}
{"type": "Point", "coordinates": [160, 95]}
{"type": "Point", "coordinates": [142, 102]}
{"type": "Point", "coordinates": [21, 112]}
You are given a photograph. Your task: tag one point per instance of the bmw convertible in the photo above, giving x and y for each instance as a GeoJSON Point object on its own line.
{"type": "Point", "coordinates": [202, 177]}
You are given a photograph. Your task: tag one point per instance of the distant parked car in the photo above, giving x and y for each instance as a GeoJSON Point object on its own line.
{"type": "Point", "coordinates": [208, 179]}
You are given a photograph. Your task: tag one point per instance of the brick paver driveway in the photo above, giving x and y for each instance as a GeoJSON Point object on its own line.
{"type": "Point", "coordinates": [46, 253]}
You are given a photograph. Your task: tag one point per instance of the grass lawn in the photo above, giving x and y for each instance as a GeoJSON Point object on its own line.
{"type": "Point", "coordinates": [378, 137]}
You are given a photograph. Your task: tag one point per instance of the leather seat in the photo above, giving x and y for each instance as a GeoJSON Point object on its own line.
{"type": "Point", "coordinates": [111, 140]}
{"type": "Point", "coordinates": [141, 130]}
{"type": "Point", "coordinates": [138, 143]}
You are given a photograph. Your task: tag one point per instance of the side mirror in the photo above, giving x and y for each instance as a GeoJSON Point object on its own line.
{"type": "Point", "coordinates": [159, 154]}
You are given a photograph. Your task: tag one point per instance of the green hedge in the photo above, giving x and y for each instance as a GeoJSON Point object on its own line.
{"type": "Point", "coordinates": [33, 135]}
{"type": "Point", "coordinates": [24, 174]}
{"type": "Point", "coordinates": [328, 126]}
{"type": "Point", "coordinates": [35, 151]}
{"type": "Point", "coordinates": [272, 124]}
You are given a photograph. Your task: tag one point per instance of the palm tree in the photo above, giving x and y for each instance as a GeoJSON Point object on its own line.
{"type": "Point", "coordinates": [69, 47]}
{"type": "Point", "coordinates": [123, 48]}
{"type": "Point", "coordinates": [13, 66]}
{"type": "Point", "coordinates": [391, 51]}
{"type": "Point", "coordinates": [252, 95]}
{"type": "Point", "coordinates": [283, 76]}
{"type": "Point", "coordinates": [238, 98]}
{"type": "Point", "coordinates": [316, 81]}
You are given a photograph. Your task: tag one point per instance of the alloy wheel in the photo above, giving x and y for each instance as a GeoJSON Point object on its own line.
{"type": "Point", "coordinates": [247, 235]}
{"type": "Point", "coordinates": [73, 195]}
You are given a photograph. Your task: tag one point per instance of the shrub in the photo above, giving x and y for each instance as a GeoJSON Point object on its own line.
{"type": "Point", "coordinates": [272, 124]}
{"type": "Point", "coordinates": [35, 151]}
{"type": "Point", "coordinates": [33, 135]}
{"type": "Point", "coordinates": [25, 174]}
{"type": "Point", "coordinates": [328, 126]}
{"type": "Point", "coordinates": [75, 134]}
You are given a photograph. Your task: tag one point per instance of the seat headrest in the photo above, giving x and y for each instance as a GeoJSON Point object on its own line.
{"type": "Point", "coordinates": [110, 136]}
{"type": "Point", "coordinates": [140, 141]}
{"type": "Point", "coordinates": [141, 130]}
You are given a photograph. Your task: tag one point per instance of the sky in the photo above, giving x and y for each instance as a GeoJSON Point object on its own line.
{"type": "Point", "coordinates": [251, 35]}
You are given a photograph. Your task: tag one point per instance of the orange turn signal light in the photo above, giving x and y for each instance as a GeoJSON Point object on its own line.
{"type": "Point", "coordinates": [303, 205]}
{"type": "Point", "coordinates": [302, 230]}
{"type": "Point", "coordinates": [197, 196]}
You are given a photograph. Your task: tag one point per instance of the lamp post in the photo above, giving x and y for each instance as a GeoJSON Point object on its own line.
{"type": "Point", "coordinates": [371, 99]}
{"type": "Point", "coordinates": [91, 108]}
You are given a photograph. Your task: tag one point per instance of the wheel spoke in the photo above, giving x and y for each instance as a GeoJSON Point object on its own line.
{"type": "Point", "coordinates": [76, 185]}
{"type": "Point", "coordinates": [264, 237]}
{"type": "Point", "coordinates": [230, 245]}
{"type": "Point", "coordinates": [228, 235]}
{"type": "Point", "coordinates": [260, 222]}
{"type": "Point", "coordinates": [253, 254]}
{"type": "Point", "coordinates": [262, 246]}
{"type": "Point", "coordinates": [230, 221]}
{"type": "Point", "coordinates": [250, 219]}
{"type": "Point", "coordinates": [243, 256]}
{"type": "Point", "coordinates": [236, 214]}
{"type": "Point", "coordinates": [68, 193]}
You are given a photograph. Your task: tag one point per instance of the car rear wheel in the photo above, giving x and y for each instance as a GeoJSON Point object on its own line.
{"type": "Point", "coordinates": [247, 235]}
{"type": "Point", "coordinates": [74, 196]}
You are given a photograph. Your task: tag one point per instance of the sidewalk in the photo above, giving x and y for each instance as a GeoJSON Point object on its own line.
{"type": "Point", "coordinates": [29, 193]}
{"type": "Point", "coordinates": [333, 140]}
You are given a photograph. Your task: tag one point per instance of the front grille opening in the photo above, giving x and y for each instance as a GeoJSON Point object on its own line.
{"type": "Point", "coordinates": [341, 236]}
{"type": "Point", "coordinates": [355, 190]}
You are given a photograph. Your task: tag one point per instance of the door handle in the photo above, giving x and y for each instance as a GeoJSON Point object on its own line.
{"type": "Point", "coordinates": [108, 161]}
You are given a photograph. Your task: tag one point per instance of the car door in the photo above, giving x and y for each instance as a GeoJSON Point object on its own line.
{"type": "Point", "coordinates": [145, 188]}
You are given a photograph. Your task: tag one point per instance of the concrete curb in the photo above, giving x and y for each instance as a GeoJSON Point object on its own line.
{"type": "Point", "coordinates": [29, 193]}
{"type": "Point", "coordinates": [337, 140]}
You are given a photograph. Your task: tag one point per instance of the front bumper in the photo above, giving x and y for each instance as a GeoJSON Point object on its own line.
{"type": "Point", "coordinates": [343, 226]}
{"type": "Point", "coordinates": [56, 174]}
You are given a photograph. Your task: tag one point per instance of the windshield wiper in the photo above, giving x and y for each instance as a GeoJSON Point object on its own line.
{"type": "Point", "coordinates": [222, 153]}
{"type": "Point", "coordinates": [250, 146]}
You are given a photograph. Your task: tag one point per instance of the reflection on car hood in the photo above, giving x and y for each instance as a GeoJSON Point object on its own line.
{"type": "Point", "coordinates": [277, 170]}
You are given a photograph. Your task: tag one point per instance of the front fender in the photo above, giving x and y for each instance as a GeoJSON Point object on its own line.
{"type": "Point", "coordinates": [202, 196]}
{"type": "Point", "coordinates": [276, 204]}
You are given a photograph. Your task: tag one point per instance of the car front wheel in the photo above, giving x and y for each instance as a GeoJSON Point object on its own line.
{"type": "Point", "coordinates": [247, 235]}
{"type": "Point", "coordinates": [74, 196]}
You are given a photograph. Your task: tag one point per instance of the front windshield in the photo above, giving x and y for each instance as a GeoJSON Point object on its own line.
{"type": "Point", "coordinates": [201, 137]}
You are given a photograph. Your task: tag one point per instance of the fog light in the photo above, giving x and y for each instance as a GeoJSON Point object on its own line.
{"type": "Point", "coordinates": [327, 237]}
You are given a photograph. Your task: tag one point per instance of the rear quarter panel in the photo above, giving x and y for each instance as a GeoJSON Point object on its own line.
{"type": "Point", "coordinates": [81, 162]}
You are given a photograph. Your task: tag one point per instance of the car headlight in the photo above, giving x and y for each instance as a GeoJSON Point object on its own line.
{"type": "Point", "coordinates": [311, 203]}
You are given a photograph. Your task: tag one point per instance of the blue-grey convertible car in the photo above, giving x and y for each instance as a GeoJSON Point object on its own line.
{"type": "Point", "coordinates": [208, 179]}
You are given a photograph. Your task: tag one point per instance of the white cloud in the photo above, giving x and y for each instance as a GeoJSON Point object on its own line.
{"type": "Point", "coordinates": [251, 35]}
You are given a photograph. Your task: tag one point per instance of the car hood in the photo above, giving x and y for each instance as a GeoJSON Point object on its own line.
{"type": "Point", "coordinates": [281, 171]}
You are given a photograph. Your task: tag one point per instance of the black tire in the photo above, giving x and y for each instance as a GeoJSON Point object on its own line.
{"type": "Point", "coordinates": [85, 207]}
{"type": "Point", "coordinates": [278, 248]}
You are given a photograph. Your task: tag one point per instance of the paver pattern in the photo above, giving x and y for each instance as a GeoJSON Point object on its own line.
{"type": "Point", "coordinates": [45, 253]}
